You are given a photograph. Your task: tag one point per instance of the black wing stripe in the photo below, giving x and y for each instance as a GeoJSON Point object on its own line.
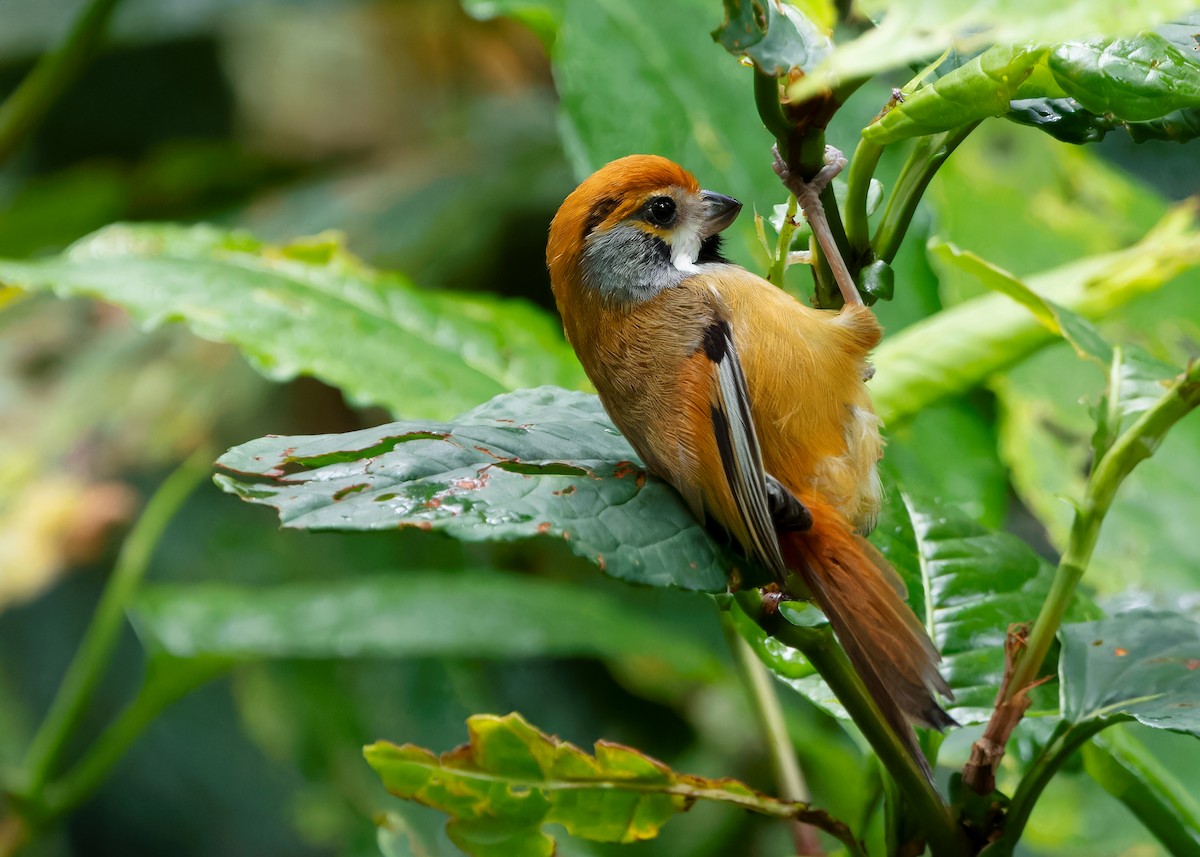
{"type": "Point", "coordinates": [737, 444]}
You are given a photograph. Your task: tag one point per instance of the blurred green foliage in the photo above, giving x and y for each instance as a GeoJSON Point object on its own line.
{"type": "Point", "coordinates": [439, 145]}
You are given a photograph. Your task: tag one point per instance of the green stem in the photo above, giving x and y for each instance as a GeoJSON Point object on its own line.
{"type": "Point", "coordinates": [98, 642]}
{"type": "Point", "coordinates": [766, 99]}
{"type": "Point", "coordinates": [54, 72]}
{"type": "Point", "coordinates": [783, 244]}
{"type": "Point", "coordinates": [162, 688]}
{"type": "Point", "coordinates": [821, 650]}
{"type": "Point", "coordinates": [764, 701]}
{"type": "Point", "coordinates": [1066, 739]}
{"type": "Point", "coordinates": [858, 185]}
{"type": "Point", "coordinates": [922, 164]}
{"type": "Point", "coordinates": [1134, 446]}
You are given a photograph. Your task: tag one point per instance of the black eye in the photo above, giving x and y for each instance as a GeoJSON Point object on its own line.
{"type": "Point", "coordinates": [661, 211]}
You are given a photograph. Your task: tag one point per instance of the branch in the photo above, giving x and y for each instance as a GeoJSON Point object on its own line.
{"type": "Point", "coordinates": [1134, 446]}
{"type": "Point", "coordinates": [98, 642]}
{"type": "Point", "coordinates": [819, 647]}
{"type": "Point", "coordinates": [765, 702]}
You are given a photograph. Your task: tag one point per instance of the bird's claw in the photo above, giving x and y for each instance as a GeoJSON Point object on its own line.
{"type": "Point", "coordinates": [835, 162]}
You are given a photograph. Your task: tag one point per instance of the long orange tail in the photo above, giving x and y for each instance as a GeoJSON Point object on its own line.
{"type": "Point", "coordinates": [864, 600]}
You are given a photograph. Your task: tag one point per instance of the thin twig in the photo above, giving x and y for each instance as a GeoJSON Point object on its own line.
{"type": "Point", "coordinates": [764, 701]}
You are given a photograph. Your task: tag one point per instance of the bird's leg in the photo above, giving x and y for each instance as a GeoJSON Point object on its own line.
{"type": "Point", "coordinates": [808, 194]}
{"type": "Point", "coordinates": [787, 512]}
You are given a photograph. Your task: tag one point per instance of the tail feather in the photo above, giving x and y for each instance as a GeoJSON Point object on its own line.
{"type": "Point", "coordinates": [864, 600]}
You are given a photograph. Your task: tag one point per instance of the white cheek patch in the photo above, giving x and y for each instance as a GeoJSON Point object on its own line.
{"type": "Point", "coordinates": [685, 248]}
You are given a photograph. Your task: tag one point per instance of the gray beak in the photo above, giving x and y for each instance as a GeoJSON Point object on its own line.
{"type": "Point", "coordinates": [719, 212]}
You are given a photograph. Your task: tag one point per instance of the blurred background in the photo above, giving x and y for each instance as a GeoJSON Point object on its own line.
{"type": "Point", "coordinates": [430, 138]}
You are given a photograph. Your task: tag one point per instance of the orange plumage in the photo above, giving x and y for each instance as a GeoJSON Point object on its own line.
{"type": "Point", "coordinates": [729, 388]}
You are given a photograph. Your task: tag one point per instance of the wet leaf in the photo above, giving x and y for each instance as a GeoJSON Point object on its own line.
{"type": "Point", "coordinates": [511, 779]}
{"type": "Point", "coordinates": [543, 462]}
{"type": "Point", "coordinates": [776, 36]}
{"type": "Point", "coordinates": [1143, 665]}
{"type": "Point", "coordinates": [1076, 89]}
{"type": "Point", "coordinates": [413, 614]}
{"type": "Point", "coordinates": [309, 308]}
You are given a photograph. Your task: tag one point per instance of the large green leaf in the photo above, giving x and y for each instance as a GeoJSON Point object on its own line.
{"type": "Point", "coordinates": [1133, 79]}
{"type": "Point", "coordinates": [958, 348]}
{"type": "Point", "coordinates": [912, 31]}
{"type": "Point", "coordinates": [1143, 665]}
{"type": "Point", "coordinates": [543, 462]}
{"type": "Point", "coordinates": [310, 308]}
{"type": "Point", "coordinates": [969, 584]}
{"type": "Point", "coordinates": [511, 779]}
{"type": "Point", "coordinates": [1129, 772]}
{"type": "Point", "coordinates": [413, 614]}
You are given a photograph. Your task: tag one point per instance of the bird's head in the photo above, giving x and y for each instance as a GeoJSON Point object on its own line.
{"type": "Point", "coordinates": [633, 228]}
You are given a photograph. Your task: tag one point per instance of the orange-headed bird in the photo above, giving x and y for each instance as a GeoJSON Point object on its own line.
{"type": "Point", "coordinates": [751, 404]}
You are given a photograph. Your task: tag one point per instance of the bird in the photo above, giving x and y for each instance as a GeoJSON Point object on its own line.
{"type": "Point", "coordinates": [751, 404]}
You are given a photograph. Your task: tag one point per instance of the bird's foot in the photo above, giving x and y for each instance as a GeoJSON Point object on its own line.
{"type": "Point", "coordinates": [812, 189]}
{"type": "Point", "coordinates": [808, 195]}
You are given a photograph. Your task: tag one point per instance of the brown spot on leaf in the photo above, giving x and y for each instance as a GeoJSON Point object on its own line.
{"type": "Point", "coordinates": [425, 525]}
{"type": "Point", "coordinates": [570, 489]}
{"type": "Point", "coordinates": [434, 503]}
{"type": "Point", "coordinates": [625, 468]}
{"type": "Point", "coordinates": [343, 493]}
{"type": "Point", "coordinates": [1097, 642]}
{"type": "Point", "coordinates": [1192, 663]}
{"type": "Point", "coordinates": [543, 527]}
{"type": "Point", "coordinates": [1119, 652]}
{"type": "Point", "coordinates": [600, 562]}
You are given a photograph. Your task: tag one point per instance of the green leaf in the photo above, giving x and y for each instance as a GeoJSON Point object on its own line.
{"type": "Point", "coordinates": [1082, 336]}
{"type": "Point", "coordinates": [511, 779]}
{"type": "Point", "coordinates": [958, 431]}
{"type": "Point", "coordinates": [1143, 665]}
{"type": "Point", "coordinates": [777, 37]}
{"type": "Point", "coordinates": [969, 584]}
{"type": "Point", "coordinates": [958, 348]}
{"type": "Point", "coordinates": [911, 31]}
{"type": "Point", "coordinates": [310, 308]}
{"type": "Point", "coordinates": [544, 462]}
{"type": "Point", "coordinates": [396, 837]}
{"type": "Point", "coordinates": [1131, 774]}
{"type": "Point", "coordinates": [414, 614]}
{"type": "Point", "coordinates": [1062, 118]}
{"type": "Point", "coordinates": [1078, 89]}
{"type": "Point", "coordinates": [1178, 126]}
